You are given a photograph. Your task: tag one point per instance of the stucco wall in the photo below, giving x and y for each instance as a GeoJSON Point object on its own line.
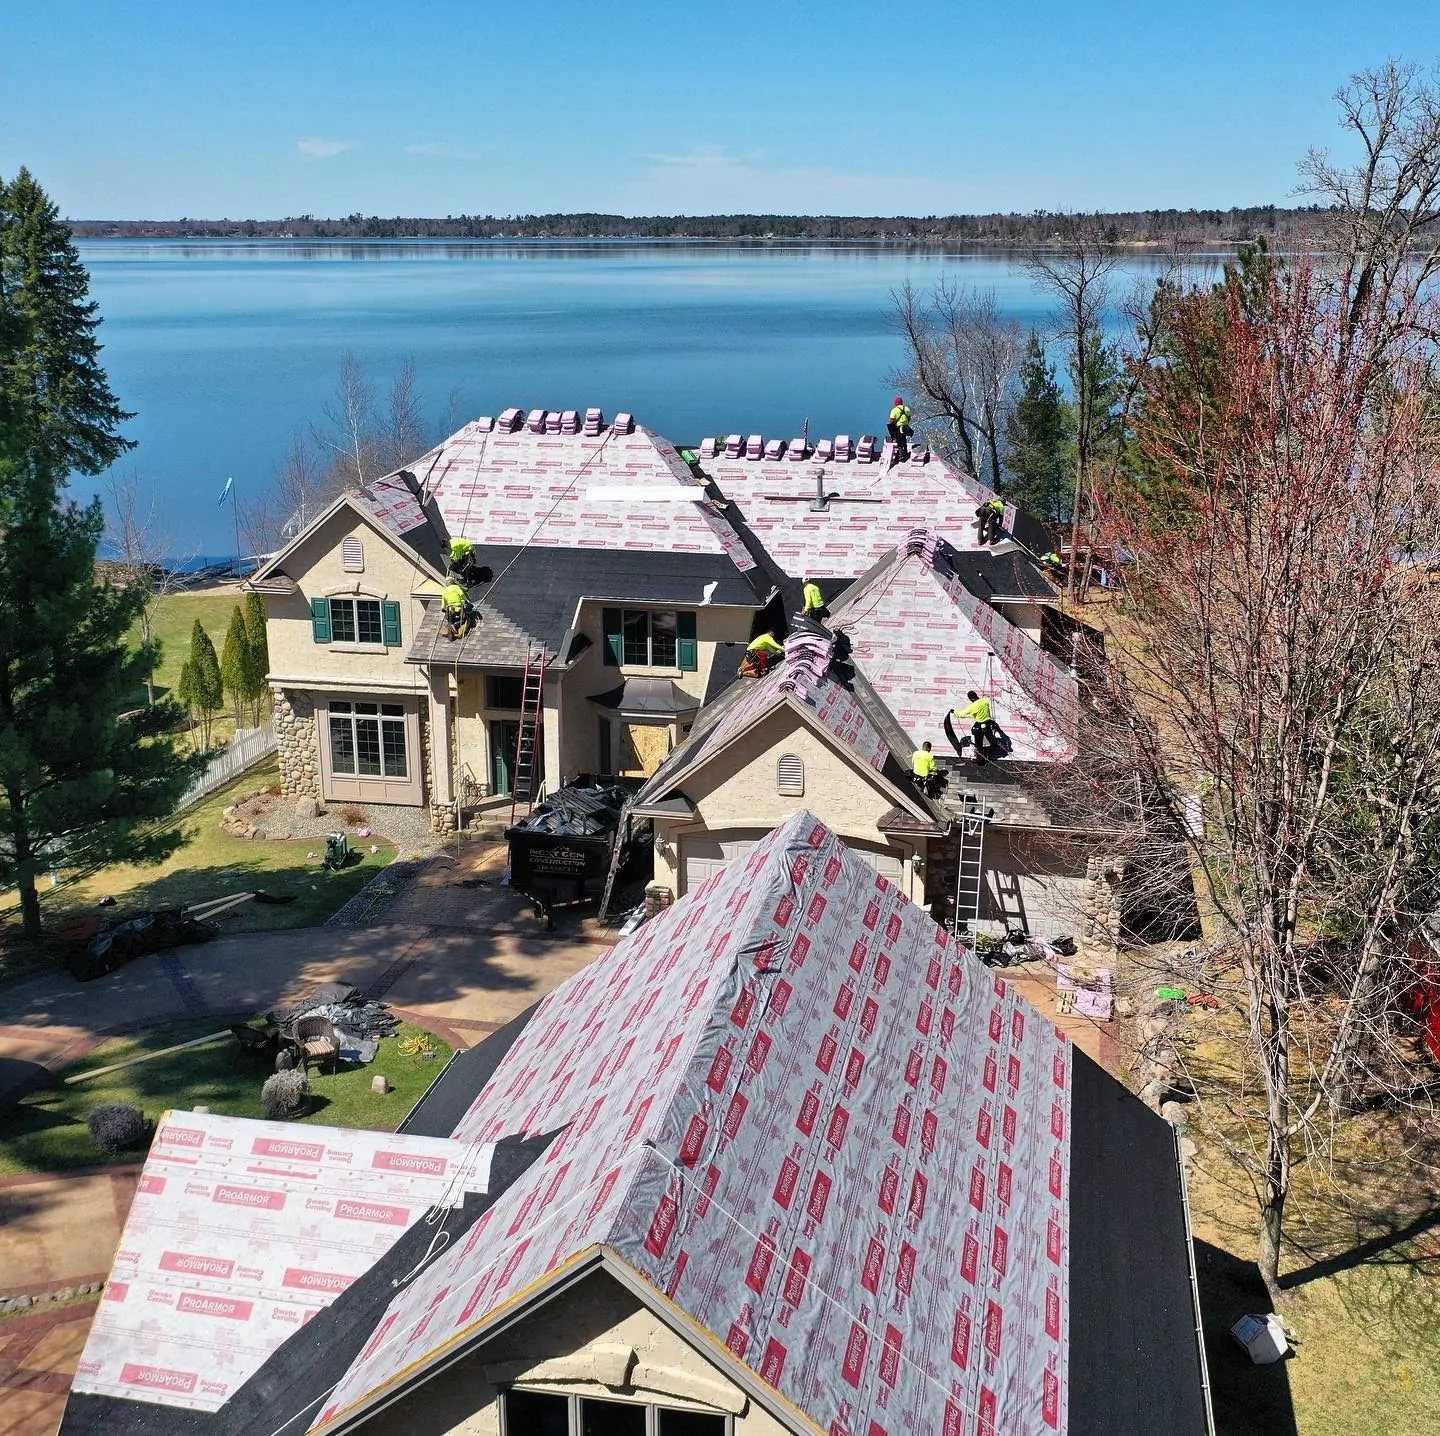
{"type": "Point", "coordinates": [585, 1332]}
{"type": "Point", "coordinates": [738, 789]}
{"type": "Point", "coordinates": [296, 660]}
{"type": "Point", "coordinates": [578, 731]}
{"type": "Point", "coordinates": [1034, 882]}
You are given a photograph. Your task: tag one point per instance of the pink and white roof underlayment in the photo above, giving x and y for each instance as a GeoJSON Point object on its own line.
{"type": "Point", "coordinates": [806, 1118]}
{"type": "Point", "coordinates": [924, 639]}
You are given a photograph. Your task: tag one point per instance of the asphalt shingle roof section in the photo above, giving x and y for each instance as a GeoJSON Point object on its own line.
{"type": "Point", "coordinates": [537, 591]}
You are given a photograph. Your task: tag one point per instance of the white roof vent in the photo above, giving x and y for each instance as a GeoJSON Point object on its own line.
{"type": "Point", "coordinates": [790, 776]}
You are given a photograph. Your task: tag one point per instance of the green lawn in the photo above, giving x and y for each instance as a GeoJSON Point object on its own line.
{"type": "Point", "coordinates": [214, 863]}
{"type": "Point", "coordinates": [46, 1131]}
{"type": "Point", "coordinates": [173, 619]}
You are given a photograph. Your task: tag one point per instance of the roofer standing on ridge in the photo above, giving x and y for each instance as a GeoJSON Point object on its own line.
{"type": "Point", "coordinates": [814, 603]}
{"type": "Point", "coordinates": [899, 429]}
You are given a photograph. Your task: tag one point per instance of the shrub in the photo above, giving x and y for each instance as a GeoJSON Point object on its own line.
{"type": "Point", "coordinates": [353, 816]}
{"type": "Point", "coordinates": [117, 1127]}
{"type": "Point", "coordinates": [286, 1094]}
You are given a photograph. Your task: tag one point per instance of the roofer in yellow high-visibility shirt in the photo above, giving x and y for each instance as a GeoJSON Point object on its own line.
{"type": "Point", "coordinates": [813, 602]}
{"type": "Point", "coordinates": [928, 775]}
{"type": "Point", "coordinates": [761, 655]}
{"type": "Point", "coordinates": [978, 713]}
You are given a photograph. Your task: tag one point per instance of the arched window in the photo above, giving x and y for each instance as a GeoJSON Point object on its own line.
{"type": "Point", "coordinates": [790, 776]}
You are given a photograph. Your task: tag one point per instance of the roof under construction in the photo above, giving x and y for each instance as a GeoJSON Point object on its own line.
{"type": "Point", "coordinates": [873, 1184]}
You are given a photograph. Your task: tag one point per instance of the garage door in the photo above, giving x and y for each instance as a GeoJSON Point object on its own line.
{"type": "Point", "coordinates": [886, 861]}
{"type": "Point", "coordinates": [702, 858]}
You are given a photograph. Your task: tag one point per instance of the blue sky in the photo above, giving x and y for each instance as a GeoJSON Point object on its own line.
{"type": "Point", "coordinates": [128, 108]}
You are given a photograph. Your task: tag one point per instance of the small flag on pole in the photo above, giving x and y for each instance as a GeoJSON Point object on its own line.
{"type": "Point", "coordinates": [226, 491]}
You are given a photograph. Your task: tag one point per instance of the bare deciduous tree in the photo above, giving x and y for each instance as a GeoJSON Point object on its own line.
{"type": "Point", "coordinates": [1284, 667]}
{"type": "Point", "coordinates": [1079, 273]}
{"type": "Point", "coordinates": [963, 358]}
{"type": "Point", "coordinates": [144, 551]}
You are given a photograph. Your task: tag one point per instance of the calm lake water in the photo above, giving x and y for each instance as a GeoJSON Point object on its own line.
{"type": "Point", "coordinates": [224, 349]}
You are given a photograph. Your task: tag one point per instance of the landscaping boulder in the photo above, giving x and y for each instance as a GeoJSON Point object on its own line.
{"type": "Point", "coordinates": [285, 1095]}
{"type": "Point", "coordinates": [117, 1127]}
{"type": "Point", "coordinates": [307, 807]}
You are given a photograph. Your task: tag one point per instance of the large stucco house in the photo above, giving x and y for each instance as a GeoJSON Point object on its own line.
{"type": "Point", "coordinates": [633, 574]}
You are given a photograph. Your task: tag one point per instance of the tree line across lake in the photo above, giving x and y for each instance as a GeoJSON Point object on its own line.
{"type": "Point", "coordinates": [1151, 227]}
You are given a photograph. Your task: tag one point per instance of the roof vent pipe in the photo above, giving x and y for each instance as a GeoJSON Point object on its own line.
{"type": "Point", "coordinates": [819, 504]}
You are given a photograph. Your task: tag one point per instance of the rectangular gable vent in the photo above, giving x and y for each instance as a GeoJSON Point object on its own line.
{"type": "Point", "coordinates": [352, 556]}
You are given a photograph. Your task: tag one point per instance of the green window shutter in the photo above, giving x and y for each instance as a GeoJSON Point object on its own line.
{"type": "Point", "coordinates": [390, 618]}
{"type": "Point", "coordinates": [687, 654]}
{"type": "Point", "coordinates": [613, 620]}
{"type": "Point", "coordinates": [320, 619]}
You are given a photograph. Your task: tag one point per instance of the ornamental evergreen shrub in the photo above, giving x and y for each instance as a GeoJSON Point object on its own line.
{"type": "Point", "coordinates": [117, 1127]}
{"type": "Point", "coordinates": [285, 1095]}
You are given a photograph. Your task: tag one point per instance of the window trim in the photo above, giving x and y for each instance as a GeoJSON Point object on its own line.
{"type": "Point", "coordinates": [391, 620]}
{"type": "Point", "coordinates": [573, 1399]}
{"type": "Point", "coordinates": [613, 622]}
{"type": "Point", "coordinates": [346, 710]}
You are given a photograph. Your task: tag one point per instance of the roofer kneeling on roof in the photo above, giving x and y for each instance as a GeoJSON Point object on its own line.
{"type": "Point", "coordinates": [462, 559]}
{"type": "Point", "coordinates": [761, 655]}
{"type": "Point", "coordinates": [929, 776]}
{"type": "Point", "coordinates": [990, 516]}
{"type": "Point", "coordinates": [457, 617]}
{"type": "Point", "coordinates": [899, 429]}
{"type": "Point", "coordinates": [814, 603]}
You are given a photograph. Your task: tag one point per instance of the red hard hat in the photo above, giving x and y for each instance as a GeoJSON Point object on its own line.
{"type": "Point", "coordinates": [899, 398]}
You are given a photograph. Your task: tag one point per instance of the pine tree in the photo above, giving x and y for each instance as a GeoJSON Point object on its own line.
{"type": "Point", "coordinates": [237, 666]}
{"type": "Point", "coordinates": [256, 631]}
{"type": "Point", "coordinates": [208, 692]}
{"type": "Point", "coordinates": [185, 694]}
{"type": "Point", "coordinates": [1040, 438]}
{"type": "Point", "coordinates": [79, 787]}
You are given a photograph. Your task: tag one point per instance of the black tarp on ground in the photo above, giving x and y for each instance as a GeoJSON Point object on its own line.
{"type": "Point", "coordinates": [1134, 1352]}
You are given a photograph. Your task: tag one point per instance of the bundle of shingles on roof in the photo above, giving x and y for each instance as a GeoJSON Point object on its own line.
{"type": "Point", "coordinates": [867, 1186]}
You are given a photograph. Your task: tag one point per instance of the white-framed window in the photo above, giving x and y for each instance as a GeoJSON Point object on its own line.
{"type": "Point", "coordinates": [352, 555]}
{"type": "Point", "coordinates": [790, 776]}
{"type": "Point", "coordinates": [649, 638]}
{"type": "Point", "coordinates": [356, 620]}
{"type": "Point", "coordinates": [547, 1413]}
{"type": "Point", "coordinates": [367, 740]}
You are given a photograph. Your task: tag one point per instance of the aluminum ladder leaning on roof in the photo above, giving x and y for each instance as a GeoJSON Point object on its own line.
{"type": "Point", "coordinates": [970, 869]}
{"type": "Point", "coordinates": [532, 693]}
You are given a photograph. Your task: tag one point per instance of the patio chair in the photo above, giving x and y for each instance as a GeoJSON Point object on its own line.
{"type": "Point", "coordinates": [254, 1044]}
{"type": "Point", "coordinates": [318, 1041]}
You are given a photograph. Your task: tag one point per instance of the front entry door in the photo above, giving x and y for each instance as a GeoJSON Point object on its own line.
{"type": "Point", "coordinates": [504, 742]}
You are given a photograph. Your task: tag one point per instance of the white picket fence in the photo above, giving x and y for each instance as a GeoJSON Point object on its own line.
{"type": "Point", "coordinates": [244, 750]}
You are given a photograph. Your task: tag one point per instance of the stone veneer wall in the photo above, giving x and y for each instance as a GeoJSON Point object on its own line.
{"type": "Point", "coordinates": [299, 744]}
{"type": "Point", "coordinates": [1100, 910]}
{"type": "Point", "coordinates": [442, 815]}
